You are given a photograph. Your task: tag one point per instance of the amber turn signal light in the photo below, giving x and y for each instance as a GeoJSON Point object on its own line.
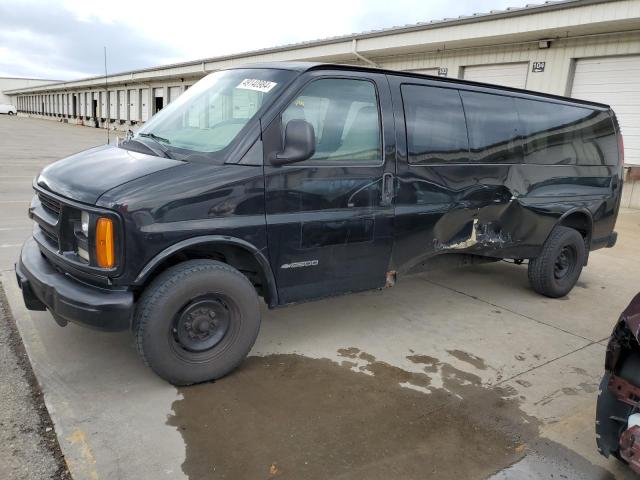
{"type": "Point", "coordinates": [105, 248]}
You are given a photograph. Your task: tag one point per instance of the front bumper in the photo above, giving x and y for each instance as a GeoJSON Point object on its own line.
{"type": "Point", "coordinates": [44, 287]}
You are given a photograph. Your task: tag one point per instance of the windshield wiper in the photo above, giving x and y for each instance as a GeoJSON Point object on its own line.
{"type": "Point", "coordinates": [158, 141]}
{"type": "Point", "coordinates": [157, 138]}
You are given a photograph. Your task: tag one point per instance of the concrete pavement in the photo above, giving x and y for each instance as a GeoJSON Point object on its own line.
{"type": "Point", "coordinates": [459, 374]}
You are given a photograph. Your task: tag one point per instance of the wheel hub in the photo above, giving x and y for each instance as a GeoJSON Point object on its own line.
{"type": "Point", "coordinates": [202, 324]}
{"type": "Point", "coordinates": [564, 262]}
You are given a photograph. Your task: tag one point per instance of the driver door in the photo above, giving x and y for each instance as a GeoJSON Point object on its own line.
{"type": "Point", "coordinates": [330, 217]}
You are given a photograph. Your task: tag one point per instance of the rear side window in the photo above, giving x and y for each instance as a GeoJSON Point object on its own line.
{"type": "Point", "coordinates": [556, 134]}
{"type": "Point", "coordinates": [436, 129]}
{"type": "Point", "coordinates": [599, 140]}
{"type": "Point", "coordinates": [492, 122]}
{"type": "Point", "coordinates": [345, 118]}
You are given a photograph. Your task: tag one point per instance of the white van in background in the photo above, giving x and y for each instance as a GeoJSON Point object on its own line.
{"type": "Point", "coordinates": [8, 109]}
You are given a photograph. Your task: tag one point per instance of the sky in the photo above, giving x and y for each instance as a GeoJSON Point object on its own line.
{"type": "Point", "coordinates": [64, 39]}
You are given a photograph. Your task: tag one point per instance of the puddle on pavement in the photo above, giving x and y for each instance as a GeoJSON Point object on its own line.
{"type": "Point", "coordinates": [292, 417]}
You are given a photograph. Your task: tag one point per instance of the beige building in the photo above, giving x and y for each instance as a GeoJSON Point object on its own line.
{"type": "Point", "coordinates": [13, 83]}
{"type": "Point", "coordinates": [587, 49]}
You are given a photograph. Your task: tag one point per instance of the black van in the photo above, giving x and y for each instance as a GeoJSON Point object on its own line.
{"type": "Point", "coordinates": [295, 181]}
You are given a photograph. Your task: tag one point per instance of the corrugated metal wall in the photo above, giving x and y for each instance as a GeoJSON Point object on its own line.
{"type": "Point", "coordinates": [558, 58]}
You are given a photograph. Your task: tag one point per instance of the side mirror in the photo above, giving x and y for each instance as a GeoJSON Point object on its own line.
{"type": "Point", "coordinates": [299, 143]}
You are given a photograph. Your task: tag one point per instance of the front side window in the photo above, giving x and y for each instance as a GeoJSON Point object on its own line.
{"type": "Point", "coordinates": [209, 116]}
{"type": "Point", "coordinates": [345, 118]}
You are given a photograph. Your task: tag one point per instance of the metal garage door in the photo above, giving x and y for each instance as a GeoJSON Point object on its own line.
{"type": "Point", "coordinates": [122, 112]}
{"type": "Point", "coordinates": [144, 105]}
{"type": "Point", "coordinates": [112, 105]}
{"type": "Point", "coordinates": [134, 115]}
{"type": "Point", "coordinates": [174, 92]}
{"type": "Point", "coordinates": [103, 105]}
{"type": "Point", "coordinates": [616, 82]}
{"type": "Point", "coordinates": [96, 98]}
{"type": "Point", "coordinates": [507, 74]}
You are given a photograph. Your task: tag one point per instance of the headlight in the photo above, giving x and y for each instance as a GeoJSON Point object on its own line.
{"type": "Point", "coordinates": [96, 244]}
{"type": "Point", "coordinates": [84, 222]}
{"type": "Point", "coordinates": [82, 253]}
{"type": "Point", "coordinates": [82, 242]}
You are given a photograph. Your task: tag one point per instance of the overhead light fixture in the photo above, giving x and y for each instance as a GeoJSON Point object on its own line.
{"type": "Point", "coordinates": [544, 43]}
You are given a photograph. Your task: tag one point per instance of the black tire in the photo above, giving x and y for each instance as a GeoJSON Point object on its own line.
{"type": "Point", "coordinates": [611, 413]}
{"type": "Point", "coordinates": [557, 269]}
{"type": "Point", "coordinates": [10, 113]}
{"type": "Point", "coordinates": [196, 321]}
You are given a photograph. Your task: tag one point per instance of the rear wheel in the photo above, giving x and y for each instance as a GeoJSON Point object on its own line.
{"type": "Point", "coordinates": [197, 321]}
{"type": "Point", "coordinates": [10, 112]}
{"type": "Point", "coordinates": [557, 269]}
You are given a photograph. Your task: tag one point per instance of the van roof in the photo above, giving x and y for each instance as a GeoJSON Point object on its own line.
{"type": "Point", "coordinates": [307, 66]}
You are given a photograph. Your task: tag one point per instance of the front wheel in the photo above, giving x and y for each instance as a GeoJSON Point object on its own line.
{"type": "Point", "coordinates": [557, 269]}
{"type": "Point", "coordinates": [196, 321]}
{"type": "Point", "coordinates": [10, 113]}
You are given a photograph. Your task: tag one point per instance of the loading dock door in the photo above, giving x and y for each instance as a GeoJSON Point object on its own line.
{"type": "Point", "coordinates": [144, 104]}
{"type": "Point", "coordinates": [112, 106]}
{"type": "Point", "coordinates": [122, 112]}
{"type": "Point", "coordinates": [103, 105]}
{"type": "Point", "coordinates": [158, 98]}
{"type": "Point", "coordinates": [506, 74]}
{"type": "Point", "coordinates": [133, 106]}
{"type": "Point", "coordinates": [614, 81]}
{"type": "Point", "coordinates": [174, 92]}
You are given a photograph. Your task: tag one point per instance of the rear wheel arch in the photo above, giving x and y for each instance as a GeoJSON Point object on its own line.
{"type": "Point", "coordinates": [579, 219]}
{"type": "Point", "coordinates": [235, 252]}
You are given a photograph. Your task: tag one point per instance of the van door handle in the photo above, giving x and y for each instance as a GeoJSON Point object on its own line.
{"type": "Point", "coordinates": [387, 189]}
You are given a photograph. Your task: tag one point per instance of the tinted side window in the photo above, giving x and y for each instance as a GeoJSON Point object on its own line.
{"type": "Point", "coordinates": [345, 117]}
{"type": "Point", "coordinates": [492, 121]}
{"type": "Point", "coordinates": [549, 131]}
{"type": "Point", "coordinates": [599, 140]}
{"type": "Point", "coordinates": [563, 134]}
{"type": "Point", "coordinates": [436, 129]}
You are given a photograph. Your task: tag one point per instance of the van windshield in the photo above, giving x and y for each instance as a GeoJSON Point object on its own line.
{"type": "Point", "coordinates": [209, 115]}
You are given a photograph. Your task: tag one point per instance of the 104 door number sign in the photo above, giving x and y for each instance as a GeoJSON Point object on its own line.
{"type": "Point", "coordinates": [538, 67]}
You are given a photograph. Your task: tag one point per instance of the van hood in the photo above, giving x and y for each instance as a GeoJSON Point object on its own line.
{"type": "Point", "coordinates": [85, 176]}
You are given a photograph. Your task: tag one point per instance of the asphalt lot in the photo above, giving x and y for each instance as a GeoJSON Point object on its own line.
{"type": "Point", "coordinates": [460, 374]}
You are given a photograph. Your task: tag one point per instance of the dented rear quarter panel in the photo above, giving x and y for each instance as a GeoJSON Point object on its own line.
{"type": "Point", "coordinates": [504, 210]}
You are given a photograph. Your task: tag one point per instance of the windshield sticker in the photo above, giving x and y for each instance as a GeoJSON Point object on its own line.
{"type": "Point", "coordinates": [257, 85]}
